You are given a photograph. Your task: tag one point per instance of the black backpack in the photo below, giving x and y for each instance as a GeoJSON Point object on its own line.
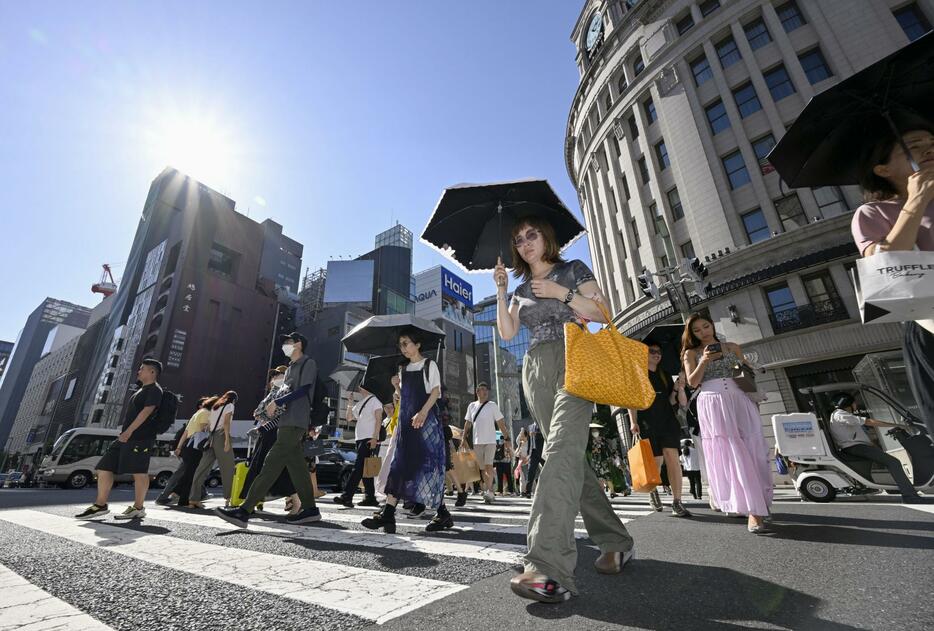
{"type": "Point", "coordinates": [319, 410]}
{"type": "Point", "coordinates": [164, 416]}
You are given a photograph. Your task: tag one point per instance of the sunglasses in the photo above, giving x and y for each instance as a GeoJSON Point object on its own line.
{"type": "Point", "coordinates": [655, 351]}
{"type": "Point", "coordinates": [530, 236]}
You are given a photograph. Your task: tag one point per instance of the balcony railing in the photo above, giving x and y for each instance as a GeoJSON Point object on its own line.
{"type": "Point", "coordinates": [806, 316]}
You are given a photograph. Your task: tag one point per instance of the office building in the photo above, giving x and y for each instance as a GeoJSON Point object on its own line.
{"type": "Point", "coordinates": [6, 349]}
{"type": "Point", "coordinates": [508, 376]}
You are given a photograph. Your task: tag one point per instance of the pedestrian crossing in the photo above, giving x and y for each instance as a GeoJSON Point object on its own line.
{"type": "Point", "coordinates": [335, 565]}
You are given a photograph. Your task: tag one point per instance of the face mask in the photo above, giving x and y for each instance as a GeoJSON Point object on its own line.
{"type": "Point", "coordinates": [287, 349]}
{"type": "Point", "coordinates": [595, 434]}
{"type": "Point", "coordinates": [278, 381]}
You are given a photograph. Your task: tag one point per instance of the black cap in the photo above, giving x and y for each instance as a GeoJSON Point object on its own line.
{"type": "Point", "coordinates": [295, 336]}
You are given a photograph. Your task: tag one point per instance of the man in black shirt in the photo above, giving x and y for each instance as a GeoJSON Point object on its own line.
{"type": "Point", "coordinates": [131, 451]}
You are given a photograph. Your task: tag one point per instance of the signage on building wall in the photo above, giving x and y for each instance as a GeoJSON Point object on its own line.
{"type": "Point", "coordinates": [176, 348]}
{"type": "Point", "coordinates": [426, 295]}
{"type": "Point", "coordinates": [456, 287]}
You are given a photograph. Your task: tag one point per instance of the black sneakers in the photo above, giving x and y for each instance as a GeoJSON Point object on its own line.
{"type": "Point", "coordinates": [236, 516]}
{"type": "Point", "coordinates": [441, 521]}
{"type": "Point", "coordinates": [346, 502]}
{"type": "Point", "coordinates": [93, 511]}
{"type": "Point", "coordinates": [304, 516]}
{"type": "Point", "coordinates": [384, 518]}
{"type": "Point", "coordinates": [368, 501]}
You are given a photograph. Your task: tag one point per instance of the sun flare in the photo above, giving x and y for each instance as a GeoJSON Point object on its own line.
{"type": "Point", "coordinates": [197, 144]}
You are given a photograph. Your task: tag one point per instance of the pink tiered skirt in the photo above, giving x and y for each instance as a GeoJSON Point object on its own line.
{"type": "Point", "coordinates": [735, 451]}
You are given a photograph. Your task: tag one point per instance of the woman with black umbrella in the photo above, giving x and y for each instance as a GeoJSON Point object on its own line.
{"type": "Point", "coordinates": [553, 291]}
{"type": "Point", "coordinates": [899, 215]}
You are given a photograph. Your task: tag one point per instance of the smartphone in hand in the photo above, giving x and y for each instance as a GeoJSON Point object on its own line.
{"type": "Point", "coordinates": [714, 348]}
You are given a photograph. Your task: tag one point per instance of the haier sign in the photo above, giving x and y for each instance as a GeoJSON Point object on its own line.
{"type": "Point", "coordinates": [456, 287]}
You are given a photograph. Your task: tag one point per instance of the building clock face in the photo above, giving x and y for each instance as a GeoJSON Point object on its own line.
{"type": "Point", "coordinates": [594, 31]}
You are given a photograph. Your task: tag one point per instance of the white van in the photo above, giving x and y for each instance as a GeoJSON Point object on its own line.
{"type": "Point", "coordinates": [76, 452]}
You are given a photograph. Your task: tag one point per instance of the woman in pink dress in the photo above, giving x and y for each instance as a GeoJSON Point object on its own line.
{"type": "Point", "coordinates": [735, 452]}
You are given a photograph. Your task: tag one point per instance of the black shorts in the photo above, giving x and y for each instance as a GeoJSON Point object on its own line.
{"type": "Point", "coordinates": [129, 457]}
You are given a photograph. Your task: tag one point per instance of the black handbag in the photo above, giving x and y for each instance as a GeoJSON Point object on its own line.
{"type": "Point", "coordinates": [745, 377]}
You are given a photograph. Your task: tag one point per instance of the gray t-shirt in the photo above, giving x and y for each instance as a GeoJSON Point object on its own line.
{"type": "Point", "coordinates": [297, 412]}
{"type": "Point", "coordinates": [545, 317]}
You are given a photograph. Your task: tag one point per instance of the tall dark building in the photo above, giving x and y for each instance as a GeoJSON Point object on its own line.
{"type": "Point", "coordinates": [68, 319]}
{"type": "Point", "coordinates": [6, 349]}
{"type": "Point", "coordinates": [392, 273]}
{"type": "Point", "coordinates": [282, 257]}
{"type": "Point", "coordinates": [194, 296]}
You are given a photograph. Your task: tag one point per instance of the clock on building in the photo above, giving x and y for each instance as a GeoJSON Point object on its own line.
{"type": "Point", "coordinates": [594, 31]}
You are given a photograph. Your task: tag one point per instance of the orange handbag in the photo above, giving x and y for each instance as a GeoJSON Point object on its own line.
{"type": "Point", "coordinates": [606, 367]}
{"type": "Point", "coordinates": [642, 467]}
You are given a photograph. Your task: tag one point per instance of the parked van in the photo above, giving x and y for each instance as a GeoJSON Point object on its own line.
{"type": "Point", "coordinates": [71, 462]}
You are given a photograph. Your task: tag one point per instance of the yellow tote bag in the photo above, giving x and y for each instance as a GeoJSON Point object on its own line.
{"type": "Point", "coordinates": [606, 367]}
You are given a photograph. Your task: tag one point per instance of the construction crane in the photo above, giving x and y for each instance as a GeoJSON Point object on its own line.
{"type": "Point", "coordinates": [104, 286]}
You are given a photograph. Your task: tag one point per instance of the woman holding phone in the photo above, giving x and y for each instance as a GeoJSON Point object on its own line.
{"type": "Point", "coordinates": [735, 452]}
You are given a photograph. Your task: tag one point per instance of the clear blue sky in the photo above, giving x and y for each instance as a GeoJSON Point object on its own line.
{"type": "Point", "coordinates": [341, 117]}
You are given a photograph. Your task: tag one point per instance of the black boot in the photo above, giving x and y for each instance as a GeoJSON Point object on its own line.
{"type": "Point", "coordinates": [461, 498]}
{"type": "Point", "coordinates": [384, 518]}
{"type": "Point", "coordinates": [441, 521]}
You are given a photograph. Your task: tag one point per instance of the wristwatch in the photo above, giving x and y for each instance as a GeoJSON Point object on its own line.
{"type": "Point", "coordinates": [569, 297]}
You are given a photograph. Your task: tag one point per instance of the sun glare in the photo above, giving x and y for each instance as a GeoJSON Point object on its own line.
{"type": "Point", "coordinates": [197, 144]}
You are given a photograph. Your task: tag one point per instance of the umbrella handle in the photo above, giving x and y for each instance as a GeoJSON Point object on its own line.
{"type": "Point", "coordinates": [499, 214]}
{"type": "Point", "coordinates": [901, 142]}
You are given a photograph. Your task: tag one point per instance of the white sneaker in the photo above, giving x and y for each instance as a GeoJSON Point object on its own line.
{"type": "Point", "coordinates": [132, 512]}
{"type": "Point", "coordinates": [488, 497]}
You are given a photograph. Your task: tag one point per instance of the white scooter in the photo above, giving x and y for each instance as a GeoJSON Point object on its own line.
{"type": "Point", "coordinates": [820, 471]}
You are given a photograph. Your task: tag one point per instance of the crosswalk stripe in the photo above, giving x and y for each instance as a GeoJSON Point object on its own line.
{"type": "Point", "coordinates": [349, 517]}
{"type": "Point", "coordinates": [370, 594]}
{"type": "Point", "coordinates": [497, 509]}
{"type": "Point", "coordinates": [26, 606]}
{"type": "Point", "coordinates": [481, 550]}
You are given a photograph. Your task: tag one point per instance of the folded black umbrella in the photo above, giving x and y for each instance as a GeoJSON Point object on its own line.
{"type": "Point", "coordinates": [825, 144]}
{"type": "Point", "coordinates": [668, 337]}
{"type": "Point", "coordinates": [472, 223]}
{"type": "Point", "coordinates": [378, 376]}
{"type": "Point", "coordinates": [379, 335]}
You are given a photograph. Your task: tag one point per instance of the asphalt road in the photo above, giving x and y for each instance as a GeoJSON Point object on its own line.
{"type": "Point", "coordinates": [846, 565]}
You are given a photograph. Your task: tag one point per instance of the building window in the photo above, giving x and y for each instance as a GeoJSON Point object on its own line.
{"type": "Point", "coordinates": [674, 203]}
{"type": "Point", "coordinates": [661, 152]}
{"type": "Point", "coordinates": [638, 66]}
{"type": "Point", "coordinates": [658, 222]}
{"type": "Point", "coordinates": [912, 20]}
{"type": "Point", "coordinates": [820, 287]}
{"type": "Point", "coordinates": [633, 128]}
{"type": "Point", "coordinates": [622, 245]}
{"type": "Point", "coordinates": [757, 228]}
{"type": "Point", "coordinates": [735, 169]}
{"type": "Point", "coordinates": [114, 360]}
{"type": "Point", "coordinates": [626, 188]}
{"type": "Point", "coordinates": [700, 68]}
{"type": "Point", "coordinates": [747, 101]}
{"type": "Point", "coordinates": [650, 113]}
{"type": "Point", "coordinates": [621, 85]}
{"type": "Point", "coordinates": [830, 201]}
{"type": "Point", "coordinates": [644, 170]}
{"type": "Point", "coordinates": [709, 6]}
{"type": "Point", "coordinates": [815, 66]}
{"type": "Point", "coordinates": [103, 396]}
{"type": "Point", "coordinates": [616, 145]}
{"type": "Point", "coordinates": [791, 212]}
{"type": "Point", "coordinates": [685, 24]}
{"type": "Point", "coordinates": [109, 379]}
{"type": "Point", "coordinates": [779, 83]}
{"type": "Point", "coordinates": [663, 261]}
{"type": "Point", "coordinates": [728, 52]}
{"type": "Point", "coordinates": [780, 299]}
{"type": "Point", "coordinates": [635, 233]}
{"type": "Point", "coordinates": [716, 116]}
{"type": "Point", "coordinates": [687, 250]}
{"type": "Point", "coordinates": [757, 34]}
{"type": "Point", "coordinates": [608, 101]}
{"type": "Point", "coordinates": [790, 15]}
{"type": "Point", "coordinates": [762, 146]}
{"type": "Point", "coordinates": [223, 261]}
{"type": "Point", "coordinates": [70, 390]}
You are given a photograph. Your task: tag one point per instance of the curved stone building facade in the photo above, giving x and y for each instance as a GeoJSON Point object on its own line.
{"type": "Point", "coordinates": [679, 103]}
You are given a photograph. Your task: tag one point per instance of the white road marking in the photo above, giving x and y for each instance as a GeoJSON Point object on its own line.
{"type": "Point", "coordinates": [369, 594]}
{"type": "Point", "coordinates": [24, 606]}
